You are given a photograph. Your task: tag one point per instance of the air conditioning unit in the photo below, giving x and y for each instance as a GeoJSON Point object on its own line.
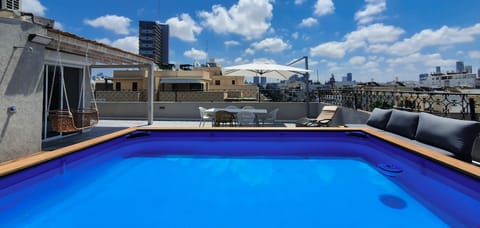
{"type": "Point", "coordinates": [10, 4]}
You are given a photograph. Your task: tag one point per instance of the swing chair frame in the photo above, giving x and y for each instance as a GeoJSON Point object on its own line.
{"type": "Point", "coordinates": [67, 120]}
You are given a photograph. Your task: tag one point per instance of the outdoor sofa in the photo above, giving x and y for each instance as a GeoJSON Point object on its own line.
{"type": "Point", "coordinates": [452, 137]}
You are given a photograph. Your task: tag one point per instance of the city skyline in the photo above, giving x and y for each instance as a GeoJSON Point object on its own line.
{"type": "Point", "coordinates": [377, 39]}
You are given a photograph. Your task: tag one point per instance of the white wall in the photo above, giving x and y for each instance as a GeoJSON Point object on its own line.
{"type": "Point", "coordinates": [21, 85]}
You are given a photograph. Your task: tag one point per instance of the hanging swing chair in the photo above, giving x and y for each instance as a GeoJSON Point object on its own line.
{"type": "Point", "coordinates": [67, 120]}
{"type": "Point", "coordinates": [72, 121]}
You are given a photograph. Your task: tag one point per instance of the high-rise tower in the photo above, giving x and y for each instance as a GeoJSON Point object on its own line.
{"type": "Point", "coordinates": [460, 67]}
{"type": "Point", "coordinates": [153, 41]}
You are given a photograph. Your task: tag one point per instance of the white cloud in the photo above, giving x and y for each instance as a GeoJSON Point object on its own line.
{"type": "Point", "coordinates": [430, 61]}
{"type": "Point", "coordinates": [58, 25]}
{"type": "Point", "coordinates": [104, 41]}
{"type": "Point", "coordinates": [184, 28]}
{"type": "Point", "coordinates": [370, 37]}
{"type": "Point", "coordinates": [250, 51]}
{"type": "Point", "coordinates": [330, 49]}
{"type": "Point", "coordinates": [372, 9]}
{"type": "Point", "coordinates": [240, 60]}
{"type": "Point", "coordinates": [324, 7]}
{"type": "Point", "coordinates": [248, 18]}
{"type": "Point", "coordinates": [129, 43]}
{"type": "Point", "coordinates": [357, 60]}
{"type": "Point", "coordinates": [231, 43]}
{"type": "Point", "coordinates": [313, 63]}
{"type": "Point", "coordinates": [117, 24]}
{"type": "Point", "coordinates": [271, 45]}
{"type": "Point", "coordinates": [295, 35]}
{"type": "Point", "coordinates": [428, 38]}
{"type": "Point", "coordinates": [334, 67]}
{"type": "Point", "coordinates": [474, 54]}
{"type": "Point", "coordinates": [264, 60]}
{"type": "Point", "coordinates": [308, 22]}
{"type": "Point", "coordinates": [299, 2]}
{"type": "Point", "coordinates": [33, 6]}
{"type": "Point", "coordinates": [376, 33]}
{"type": "Point", "coordinates": [195, 54]}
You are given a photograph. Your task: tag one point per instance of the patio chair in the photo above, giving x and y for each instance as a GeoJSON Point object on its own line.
{"type": "Point", "coordinates": [204, 116]}
{"type": "Point", "coordinates": [322, 120]}
{"type": "Point", "coordinates": [231, 107]}
{"type": "Point", "coordinates": [246, 118]}
{"type": "Point", "coordinates": [270, 118]}
{"type": "Point", "coordinates": [247, 107]}
{"type": "Point", "coordinates": [224, 118]}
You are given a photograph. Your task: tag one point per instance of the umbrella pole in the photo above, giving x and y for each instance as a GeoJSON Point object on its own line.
{"type": "Point", "coordinates": [307, 77]}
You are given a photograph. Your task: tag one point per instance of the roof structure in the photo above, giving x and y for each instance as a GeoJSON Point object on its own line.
{"type": "Point", "coordinates": [98, 52]}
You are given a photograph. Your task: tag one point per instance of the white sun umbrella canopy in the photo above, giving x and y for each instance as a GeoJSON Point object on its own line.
{"type": "Point", "coordinates": [263, 69]}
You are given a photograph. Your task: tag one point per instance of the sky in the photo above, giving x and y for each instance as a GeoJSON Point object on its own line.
{"type": "Point", "coordinates": [379, 40]}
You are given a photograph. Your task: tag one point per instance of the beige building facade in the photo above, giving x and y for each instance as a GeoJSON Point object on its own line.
{"type": "Point", "coordinates": [198, 84]}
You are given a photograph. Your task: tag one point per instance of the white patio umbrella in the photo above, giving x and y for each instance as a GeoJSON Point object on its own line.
{"type": "Point", "coordinates": [263, 69]}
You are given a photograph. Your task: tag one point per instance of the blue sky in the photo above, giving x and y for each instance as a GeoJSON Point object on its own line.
{"type": "Point", "coordinates": [373, 39]}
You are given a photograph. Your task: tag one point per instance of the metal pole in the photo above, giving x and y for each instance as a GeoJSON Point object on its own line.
{"type": "Point", "coordinates": [307, 78]}
{"type": "Point", "coordinates": [150, 93]}
{"type": "Point", "coordinates": [473, 115]}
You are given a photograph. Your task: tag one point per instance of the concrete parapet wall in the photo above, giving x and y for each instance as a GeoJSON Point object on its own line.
{"type": "Point", "coordinates": [288, 111]}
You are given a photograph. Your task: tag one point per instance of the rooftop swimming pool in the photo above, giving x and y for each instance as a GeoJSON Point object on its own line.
{"type": "Point", "coordinates": [247, 178]}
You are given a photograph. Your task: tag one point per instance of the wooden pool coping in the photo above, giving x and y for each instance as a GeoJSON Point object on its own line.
{"type": "Point", "coordinates": [15, 165]}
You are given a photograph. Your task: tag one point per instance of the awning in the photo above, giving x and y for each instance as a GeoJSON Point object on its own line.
{"type": "Point", "coordinates": [181, 81]}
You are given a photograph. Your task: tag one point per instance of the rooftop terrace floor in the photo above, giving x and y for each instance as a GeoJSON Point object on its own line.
{"type": "Point", "coordinates": [105, 127]}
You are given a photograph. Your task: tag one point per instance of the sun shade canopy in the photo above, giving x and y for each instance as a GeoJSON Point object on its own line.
{"type": "Point", "coordinates": [263, 69]}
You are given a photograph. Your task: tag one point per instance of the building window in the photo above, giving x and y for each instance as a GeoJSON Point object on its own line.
{"type": "Point", "coordinates": [135, 86]}
{"type": "Point", "coordinates": [118, 86]}
{"type": "Point", "coordinates": [217, 82]}
{"type": "Point", "coordinates": [233, 82]}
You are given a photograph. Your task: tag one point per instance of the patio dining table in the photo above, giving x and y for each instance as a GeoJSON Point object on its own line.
{"type": "Point", "coordinates": [256, 111]}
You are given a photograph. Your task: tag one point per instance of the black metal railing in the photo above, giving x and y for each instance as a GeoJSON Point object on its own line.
{"type": "Point", "coordinates": [453, 105]}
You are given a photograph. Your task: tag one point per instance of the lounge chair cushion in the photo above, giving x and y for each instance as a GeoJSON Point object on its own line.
{"type": "Point", "coordinates": [456, 136]}
{"type": "Point", "coordinates": [379, 118]}
{"type": "Point", "coordinates": [403, 123]}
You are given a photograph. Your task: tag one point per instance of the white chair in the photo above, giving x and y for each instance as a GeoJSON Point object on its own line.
{"type": "Point", "coordinates": [204, 116]}
{"type": "Point", "coordinates": [270, 118]}
{"type": "Point", "coordinates": [246, 118]}
{"type": "Point", "coordinates": [247, 107]}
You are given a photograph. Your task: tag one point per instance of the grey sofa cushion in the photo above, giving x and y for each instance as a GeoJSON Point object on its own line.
{"type": "Point", "coordinates": [456, 136]}
{"type": "Point", "coordinates": [403, 123]}
{"type": "Point", "coordinates": [379, 118]}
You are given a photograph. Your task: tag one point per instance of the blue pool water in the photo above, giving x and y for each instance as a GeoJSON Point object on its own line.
{"type": "Point", "coordinates": [235, 180]}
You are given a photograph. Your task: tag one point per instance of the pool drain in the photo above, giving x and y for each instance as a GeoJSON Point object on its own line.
{"type": "Point", "coordinates": [392, 201]}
